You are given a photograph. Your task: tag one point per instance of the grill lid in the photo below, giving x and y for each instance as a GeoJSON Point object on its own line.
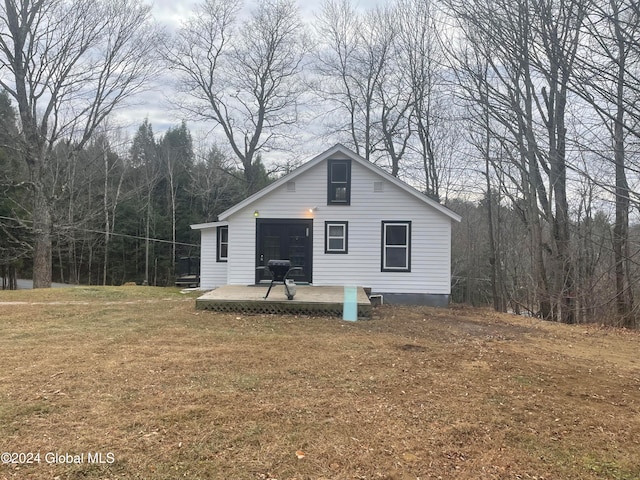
{"type": "Point", "coordinates": [279, 263]}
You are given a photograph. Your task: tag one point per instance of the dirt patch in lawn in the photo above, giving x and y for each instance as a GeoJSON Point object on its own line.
{"type": "Point", "coordinates": [135, 383]}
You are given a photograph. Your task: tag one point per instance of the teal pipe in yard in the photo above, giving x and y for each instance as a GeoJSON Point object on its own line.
{"type": "Point", "coordinates": [350, 309]}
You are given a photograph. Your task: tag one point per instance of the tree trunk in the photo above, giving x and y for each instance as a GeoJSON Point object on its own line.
{"type": "Point", "coordinates": [624, 295]}
{"type": "Point", "coordinates": [621, 227]}
{"type": "Point", "coordinates": [494, 258]}
{"type": "Point", "coordinates": [147, 242]}
{"type": "Point", "coordinates": [172, 269]}
{"type": "Point", "coordinates": [563, 265]}
{"type": "Point", "coordinates": [107, 226]}
{"type": "Point", "coordinates": [533, 188]}
{"type": "Point", "coordinates": [563, 268]}
{"type": "Point", "coordinates": [559, 26]}
{"type": "Point", "coordinates": [494, 255]}
{"type": "Point", "coordinates": [42, 227]}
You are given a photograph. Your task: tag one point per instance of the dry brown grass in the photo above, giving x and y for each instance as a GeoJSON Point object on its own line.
{"type": "Point", "coordinates": [423, 393]}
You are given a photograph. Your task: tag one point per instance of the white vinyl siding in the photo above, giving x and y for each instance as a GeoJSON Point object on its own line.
{"type": "Point", "coordinates": [430, 248]}
{"type": "Point", "coordinates": [242, 248]}
{"type": "Point", "coordinates": [212, 273]}
{"type": "Point", "coordinates": [280, 203]}
{"type": "Point", "coordinates": [430, 233]}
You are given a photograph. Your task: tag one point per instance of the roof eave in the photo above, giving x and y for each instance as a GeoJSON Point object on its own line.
{"type": "Point", "coordinates": [354, 156]}
{"type": "Point", "coordinates": [202, 226]}
{"type": "Point", "coordinates": [287, 178]}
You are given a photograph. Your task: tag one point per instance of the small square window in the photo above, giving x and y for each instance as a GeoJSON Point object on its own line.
{"type": "Point", "coordinates": [335, 237]}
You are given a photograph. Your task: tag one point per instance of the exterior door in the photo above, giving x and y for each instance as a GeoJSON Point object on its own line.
{"type": "Point", "coordinates": [284, 240]}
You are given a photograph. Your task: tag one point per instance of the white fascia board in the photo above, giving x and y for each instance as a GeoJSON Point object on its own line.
{"type": "Point", "coordinates": [202, 226]}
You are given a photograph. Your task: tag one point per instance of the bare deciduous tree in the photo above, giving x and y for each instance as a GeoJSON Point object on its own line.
{"type": "Point", "coordinates": [530, 50]}
{"type": "Point", "coordinates": [609, 83]}
{"type": "Point", "coordinates": [423, 59]}
{"type": "Point", "coordinates": [115, 170]}
{"type": "Point", "coordinates": [243, 78]}
{"type": "Point", "coordinates": [68, 64]}
{"type": "Point", "coordinates": [356, 75]}
{"type": "Point", "coordinates": [337, 28]}
{"type": "Point", "coordinates": [558, 25]}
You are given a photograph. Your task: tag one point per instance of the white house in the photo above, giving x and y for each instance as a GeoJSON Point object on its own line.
{"type": "Point", "coordinates": [345, 222]}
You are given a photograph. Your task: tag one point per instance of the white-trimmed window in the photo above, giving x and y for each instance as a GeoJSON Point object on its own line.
{"type": "Point", "coordinates": [396, 246]}
{"type": "Point", "coordinates": [335, 235]}
{"type": "Point", "coordinates": [223, 243]}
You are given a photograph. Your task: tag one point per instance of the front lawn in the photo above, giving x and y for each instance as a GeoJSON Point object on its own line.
{"type": "Point", "coordinates": [133, 382]}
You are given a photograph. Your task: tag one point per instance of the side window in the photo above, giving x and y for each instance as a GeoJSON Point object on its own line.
{"type": "Point", "coordinates": [396, 246]}
{"type": "Point", "coordinates": [335, 237]}
{"type": "Point", "coordinates": [223, 243]}
{"type": "Point", "coordinates": [338, 182]}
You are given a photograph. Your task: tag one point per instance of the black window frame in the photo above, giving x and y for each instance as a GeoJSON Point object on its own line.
{"type": "Point", "coordinates": [219, 243]}
{"type": "Point", "coordinates": [384, 246]}
{"type": "Point", "coordinates": [343, 224]}
{"type": "Point", "coordinates": [333, 184]}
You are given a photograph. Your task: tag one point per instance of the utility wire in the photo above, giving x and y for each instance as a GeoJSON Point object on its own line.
{"type": "Point", "coordinates": [159, 240]}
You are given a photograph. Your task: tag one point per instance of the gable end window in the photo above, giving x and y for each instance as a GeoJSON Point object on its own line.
{"type": "Point", "coordinates": [339, 182]}
{"type": "Point", "coordinates": [335, 237]}
{"type": "Point", "coordinates": [396, 246]}
{"type": "Point", "coordinates": [223, 244]}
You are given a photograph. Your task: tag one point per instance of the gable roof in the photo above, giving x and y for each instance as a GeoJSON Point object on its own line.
{"type": "Point", "coordinates": [339, 148]}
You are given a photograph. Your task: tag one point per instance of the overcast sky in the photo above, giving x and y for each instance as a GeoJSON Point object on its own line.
{"type": "Point", "coordinates": [152, 104]}
{"type": "Point", "coordinates": [172, 11]}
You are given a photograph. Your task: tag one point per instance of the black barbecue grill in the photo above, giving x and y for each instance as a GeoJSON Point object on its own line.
{"type": "Point", "coordinates": [280, 270]}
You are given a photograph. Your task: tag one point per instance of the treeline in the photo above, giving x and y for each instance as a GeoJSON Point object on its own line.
{"type": "Point", "coordinates": [508, 286]}
{"type": "Point", "coordinates": [550, 88]}
{"type": "Point", "coordinates": [523, 116]}
{"type": "Point", "coordinates": [122, 206]}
